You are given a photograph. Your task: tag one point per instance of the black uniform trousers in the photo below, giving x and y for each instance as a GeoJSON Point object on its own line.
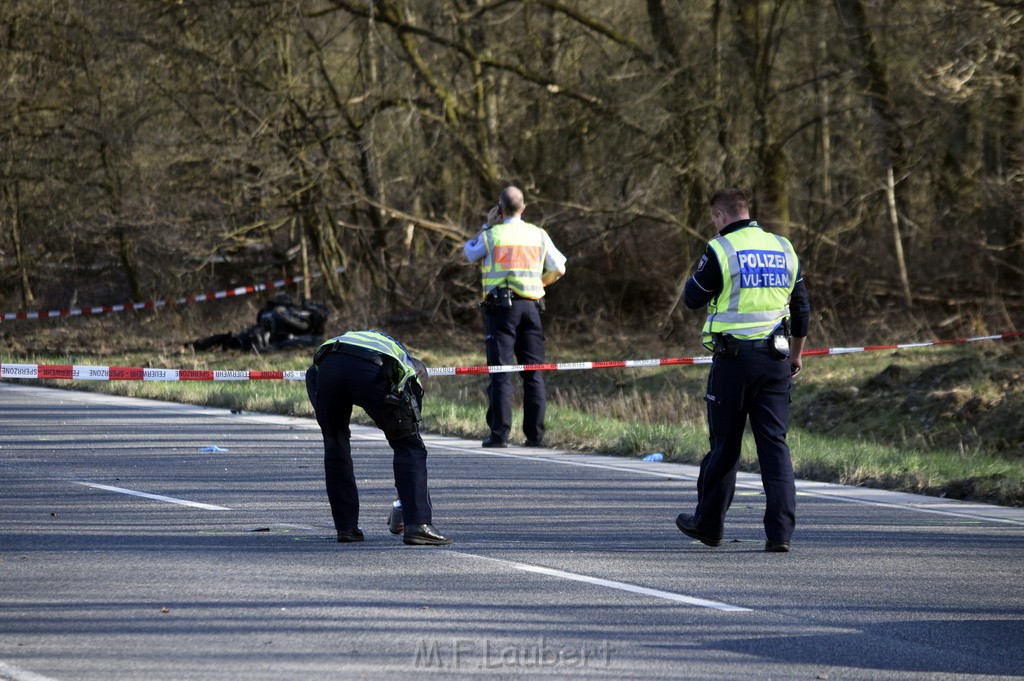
{"type": "Point", "coordinates": [515, 336]}
{"type": "Point", "coordinates": [341, 382]}
{"type": "Point", "coordinates": [756, 385]}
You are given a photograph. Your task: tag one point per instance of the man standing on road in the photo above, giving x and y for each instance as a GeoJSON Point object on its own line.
{"type": "Point", "coordinates": [374, 371]}
{"type": "Point", "coordinates": [517, 261]}
{"type": "Point", "coordinates": [758, 317]}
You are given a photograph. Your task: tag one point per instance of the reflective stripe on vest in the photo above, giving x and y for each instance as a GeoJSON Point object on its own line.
{"type": "Point", "coordinates": [515, 259]}
{"type": "Point", "coordinates": [385, 345]}
{"type": "Point", "coordinates": [758, 275]}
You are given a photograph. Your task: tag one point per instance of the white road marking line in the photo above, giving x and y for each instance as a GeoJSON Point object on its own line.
{"type": "Point", "coordinates": [586, 464]}
{"type": "Point", "coordinates": [841, 493]}
{"type": "Point", "coordinates": [157, 497]}
{"type": "Point", "coordinates": [15, 674]}
{"type": "Point", "coordinates": [611, 584]}
{"type": "Point", "coordinates": [908, 507]}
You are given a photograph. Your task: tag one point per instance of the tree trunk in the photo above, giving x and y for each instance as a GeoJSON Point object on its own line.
{"type": "Point", "coordinates": [682, 140]}
{"type": "Point", "coordinates": [897, 239]}
{"type": "Point", "coordinates": [755, 43]}
{"type": "Point", "coordinates": [1014, 171]}
{"type": "Point", "coordinates": [307, 284]}
{"type": "Point", "coordinates": [11, 196]}
{"type": "Point", "coordinates": [126, 253]}
{"type": "Point", "coordinates": [874, 78]}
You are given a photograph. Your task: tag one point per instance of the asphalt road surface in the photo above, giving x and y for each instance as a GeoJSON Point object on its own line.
{"type": "Point", "coordinates": [128, 552]}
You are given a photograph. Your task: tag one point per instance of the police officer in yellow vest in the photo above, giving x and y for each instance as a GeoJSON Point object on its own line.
{"type": "Point", "coordinates": [758, 317]}
{"type": "Point", "coordinates": [517, 260]}
{"type": "Point", "coordinates": [374, 371]}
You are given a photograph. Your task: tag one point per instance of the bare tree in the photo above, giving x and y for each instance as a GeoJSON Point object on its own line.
{"type": "Point", "coordinates": [177, 143]}
{"type": "Point", "coordinates": [873, 77]}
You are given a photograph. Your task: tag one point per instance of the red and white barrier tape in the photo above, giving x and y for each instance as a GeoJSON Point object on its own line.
{"type": "Point", "coordinates": [151, 304]}
{"type": "Point", "coordinates": [568, 366]}
{"type": "Point", "coordinates": [908, 346]}
{"type": "Point", "coordinates": [97, 373]}
{"type": "Point", "coordinates": [706, 359]}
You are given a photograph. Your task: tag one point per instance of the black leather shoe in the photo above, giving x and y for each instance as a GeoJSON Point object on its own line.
{"type": "Point", "coordinates": [533, 443]}
{"type": "Point", "coordinates": [491, 441]}
{"type": "Point", "coordinates": [424, 535]}
{"type": "Point", "coordinates": [350, 536]}
{"type": "Point", "coordinates": [776, 546]}
{"type": "Point", "coordinates": [686, 526]}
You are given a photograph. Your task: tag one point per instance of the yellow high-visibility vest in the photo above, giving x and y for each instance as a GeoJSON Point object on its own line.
{"type": "Point", "coordinates": [385, 345]}
{"type": "Point", "coordinates": [758, 275]}
{"type": "Point", "coordinates": [515, 259]}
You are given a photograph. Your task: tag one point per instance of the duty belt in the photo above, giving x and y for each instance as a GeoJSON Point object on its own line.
{"type": "Point", "coordinates": [729, 341]}
{"type": "Point", "coordinates": [776, 344]}
{"type": "Point", "coordinates": [356, 351]}
{"type": "Point", "coordinates": [502, 297]}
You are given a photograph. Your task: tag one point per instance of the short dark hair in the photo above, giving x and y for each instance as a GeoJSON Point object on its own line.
{"type": "Point", "coordinates": [730, 201]}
